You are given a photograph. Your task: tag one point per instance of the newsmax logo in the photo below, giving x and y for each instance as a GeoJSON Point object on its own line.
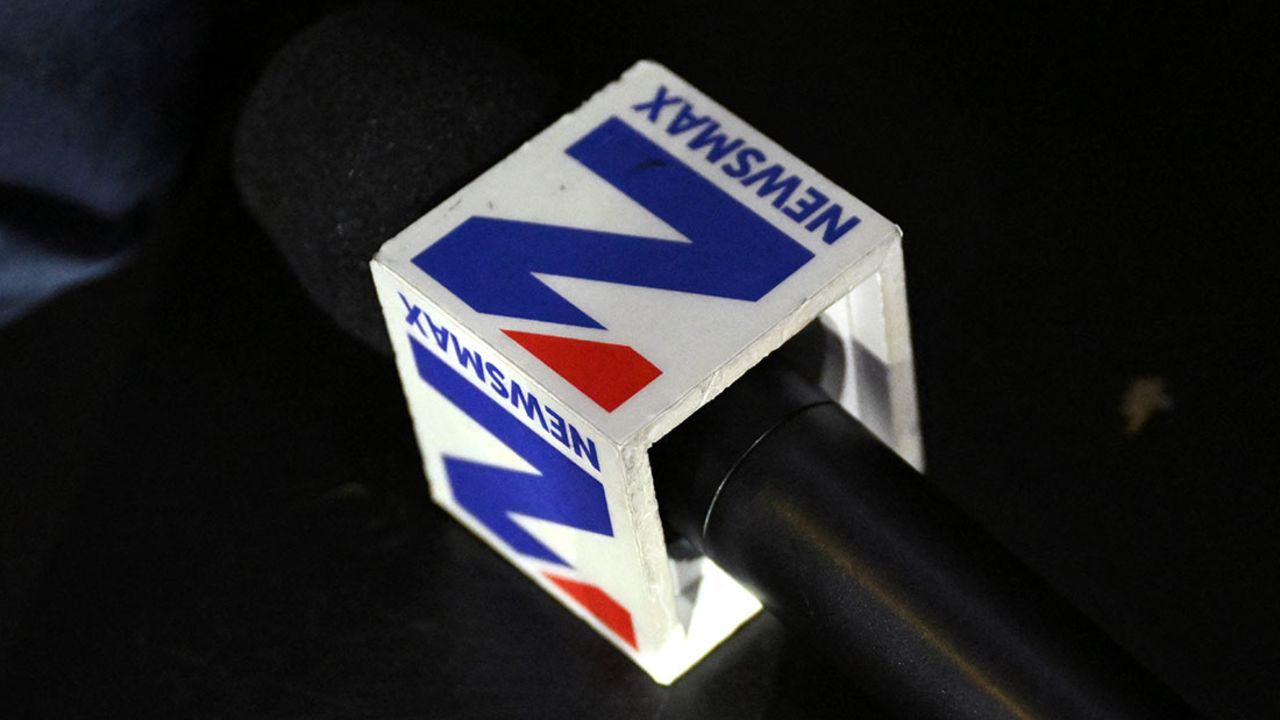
{"type": "Point", "coordinates": [560, 490]}
{"type": "Point", "coordinates": [491, 263]}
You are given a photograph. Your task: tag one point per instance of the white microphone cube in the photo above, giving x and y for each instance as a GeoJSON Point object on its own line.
{"type": "Point", "coordinates": [579, 300]}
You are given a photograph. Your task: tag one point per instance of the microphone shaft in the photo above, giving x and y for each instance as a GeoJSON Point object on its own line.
{"type": "Point", "coordinates": [852, 548]}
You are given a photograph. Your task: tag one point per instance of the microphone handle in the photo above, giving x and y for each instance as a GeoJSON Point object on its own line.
{"type": "Point", "coordinates": [853, 549]}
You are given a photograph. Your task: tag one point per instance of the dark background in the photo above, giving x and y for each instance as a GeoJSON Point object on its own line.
{"type": "Point", "coordinates": [213, 506]}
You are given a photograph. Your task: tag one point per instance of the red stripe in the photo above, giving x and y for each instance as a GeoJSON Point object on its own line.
{"type": "Point", "coordinates": [607, 373]}
{"type": "Point", "coordinates": [598, 603]}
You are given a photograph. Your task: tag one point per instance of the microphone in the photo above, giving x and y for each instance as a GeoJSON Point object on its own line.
{"type": "Point", "coordinates": [373, 116]}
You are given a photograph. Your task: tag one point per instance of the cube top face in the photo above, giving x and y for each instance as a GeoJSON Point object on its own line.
{"type": "Point", "coordinates": [640, 254]}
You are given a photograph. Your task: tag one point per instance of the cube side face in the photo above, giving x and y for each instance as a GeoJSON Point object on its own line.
{"type": "Point", "coordinates": [524, 473]}
{"type": "Point", "coordinates": [874, 378]}
{"type": "Point", "coordinates": [579, 300]}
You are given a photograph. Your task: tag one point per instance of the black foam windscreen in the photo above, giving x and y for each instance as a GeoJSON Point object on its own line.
{"type": "Point", "coordinates": [362, 123]}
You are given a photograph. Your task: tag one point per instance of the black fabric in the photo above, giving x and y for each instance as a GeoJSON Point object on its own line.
{"type": "Point", "coordinates": [94, 128]}
{"type": "Point", "coordinates": [1086, 197]}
